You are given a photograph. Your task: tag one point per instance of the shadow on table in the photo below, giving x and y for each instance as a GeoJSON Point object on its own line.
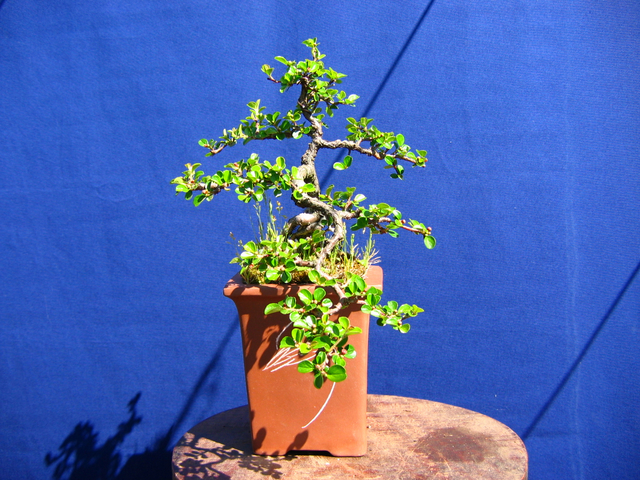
{"type": "Point", "coordinates": [223, 437]}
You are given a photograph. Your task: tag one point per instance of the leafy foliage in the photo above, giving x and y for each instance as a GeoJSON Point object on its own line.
{"type": "Point", "coordinates": [308, 246]}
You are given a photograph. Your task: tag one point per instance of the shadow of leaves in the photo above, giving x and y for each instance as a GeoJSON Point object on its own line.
{"type": "Point", "coordinates": [201, 462]}
{"type": "Point", "coordinates": [223, 439]}
{"type": "Point", "coordinates": [81, 457]}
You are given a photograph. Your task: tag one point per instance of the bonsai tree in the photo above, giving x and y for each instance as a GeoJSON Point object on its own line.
{"type": "Point", "coordinates": [312, 246]}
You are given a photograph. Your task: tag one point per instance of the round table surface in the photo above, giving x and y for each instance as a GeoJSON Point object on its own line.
{"type": "Point", "coordinates": [408, 438]}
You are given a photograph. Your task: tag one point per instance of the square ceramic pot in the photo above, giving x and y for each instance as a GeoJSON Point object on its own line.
{"type": "Point", "coordinates": [287, 412]}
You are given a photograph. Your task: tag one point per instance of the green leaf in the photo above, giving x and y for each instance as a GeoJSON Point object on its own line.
{"type": "Point", "coordinates": [297, 335]}
{"type": "Point", "coordinates": [319, 294]}
{"type": "Point", "coordinates": [290, 302]}
{"type": "Point", "coordinates": [198, 200]}
{"type": "Point", "coordinates": [373, 296]}
{"type": "Point", "coordinates": [351, 352]}
{"type": "Point", "coordinates": [272, 308]}
{"type": "Point", "coordinates": [318, 380]}
{"type": "Point", "coordinates": [400, 139]}
{"type": "Point", "coordinates": [429, 242]}
{"type": "Point", "coordinates": [360, 223]}
{"type": "Point", "coordinates": [285, 277]}
{"type": "Point", "coordinates": [321, 357]}
{"type": "Point", "coordinates": [314, 276]}
{"type": "Point", "coordinates": [306, 367]}
{"type": "Point", "coordinates": [299, 323]}
{"type": "Point", "coordinates": [287, 342]}
{"type": "Point", "coordinates": [359, 282]}
{"type": "Point", "coordinates": [282, 60]}
{"type": "Point", "coordinates": [354, 331]}
{"type": "Point", "coordinates": [405, 309]}
{"type": "Point", "coordinates": [336, 373]}
{"type": "Point", "coordinates": [272, 275]}
{"type": "Point", "coordinates": [319, 343]}
{"type": "Point", "coordinates": [339, 166]}
{"type": "Point", "coordinates": [333, 330]}
{"type": "Point", "coordinates": [305, 296]}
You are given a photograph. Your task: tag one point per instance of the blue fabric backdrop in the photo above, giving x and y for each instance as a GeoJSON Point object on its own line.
{"type": "Point", "coordinates": [115, 336]}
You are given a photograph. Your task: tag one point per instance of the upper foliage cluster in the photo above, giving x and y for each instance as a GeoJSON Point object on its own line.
{"type": "Point", "coordinates": [311, 241]}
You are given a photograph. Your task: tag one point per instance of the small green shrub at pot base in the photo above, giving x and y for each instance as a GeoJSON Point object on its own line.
{"type": "Point", "coordinates": [312, 246]}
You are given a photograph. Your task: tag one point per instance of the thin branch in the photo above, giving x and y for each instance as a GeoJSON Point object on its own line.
{"type": "Point", "coordinates": [355, 146]}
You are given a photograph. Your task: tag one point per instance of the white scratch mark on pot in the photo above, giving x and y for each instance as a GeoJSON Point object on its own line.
{"type": "Point", "coordinates": [282, 333]}
{"type": "Point", "coordinates": [285, 357]}
{"type": "Point", "coordinates": [325, 404]}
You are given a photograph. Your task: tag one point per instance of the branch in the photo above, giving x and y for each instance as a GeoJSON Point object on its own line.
{"type": "Point", "coordinates": [356, 147]}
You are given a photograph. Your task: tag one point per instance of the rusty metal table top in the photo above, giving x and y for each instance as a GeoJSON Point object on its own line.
{"type": "Point", "coordinates": [408, 438]}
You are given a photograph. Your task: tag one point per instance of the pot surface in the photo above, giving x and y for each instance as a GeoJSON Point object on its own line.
{"type": "Point", "coordinates": [287, 412]}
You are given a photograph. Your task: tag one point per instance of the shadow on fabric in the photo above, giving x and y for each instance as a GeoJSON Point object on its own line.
{"type": "Point", "coordinates": [386, 78]}
{"type": "Point", "coordinates": [581, 356]}
{"type": "Point", "coordinates": [80, 457]}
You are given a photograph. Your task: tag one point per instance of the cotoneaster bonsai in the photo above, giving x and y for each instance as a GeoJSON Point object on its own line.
{"type": "Point", "coordinates": [321, 274]}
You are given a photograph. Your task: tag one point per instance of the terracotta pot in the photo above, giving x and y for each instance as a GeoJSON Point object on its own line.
{"type": "Point", "coordinates": [287, 411]}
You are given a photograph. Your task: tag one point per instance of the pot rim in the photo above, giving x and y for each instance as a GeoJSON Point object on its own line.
{"type": "Point", "coordinates": [236, 287]}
